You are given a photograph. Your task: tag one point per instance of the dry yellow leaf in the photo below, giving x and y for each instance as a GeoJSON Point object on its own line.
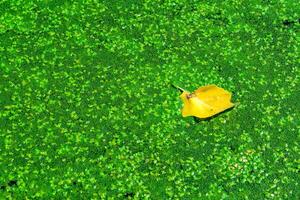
{"type": "Point", "coordinates": [206, 101]}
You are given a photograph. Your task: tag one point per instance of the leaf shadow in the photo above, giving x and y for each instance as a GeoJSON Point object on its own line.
{"type": "Point", "coordinates": [198, 120]}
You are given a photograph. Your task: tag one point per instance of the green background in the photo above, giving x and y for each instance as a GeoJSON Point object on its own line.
{"type": "Point", "coordinates": [87, 110]}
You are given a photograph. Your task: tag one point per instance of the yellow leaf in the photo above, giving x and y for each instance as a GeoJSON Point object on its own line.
{"type": "Point", "coordinates": [206, 101]}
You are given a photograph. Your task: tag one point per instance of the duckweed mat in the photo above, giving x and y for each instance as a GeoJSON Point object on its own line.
{"type": "Point", "coordinates": [88, 111]}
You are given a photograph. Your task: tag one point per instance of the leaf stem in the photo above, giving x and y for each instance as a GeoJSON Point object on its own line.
{"type": "Point", "coordinates": [178, 88]}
